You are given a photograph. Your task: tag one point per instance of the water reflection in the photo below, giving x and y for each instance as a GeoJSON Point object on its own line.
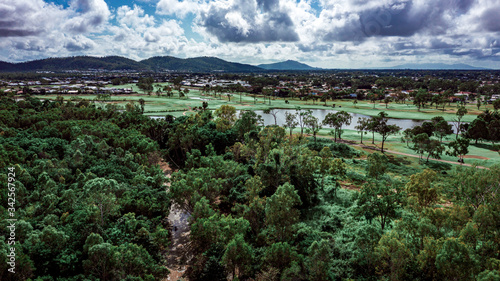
{"type": "Point", "coordinates": [321, 114]}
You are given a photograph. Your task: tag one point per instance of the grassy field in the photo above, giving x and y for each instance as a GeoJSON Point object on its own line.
{"type": "Point", "coordinates": [480, 154]}
{"type": "Point", "coordinates": [162, 105]}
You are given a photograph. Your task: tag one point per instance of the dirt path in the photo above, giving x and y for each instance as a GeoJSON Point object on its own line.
{"type": "Point", "coordinates": [178, 251]}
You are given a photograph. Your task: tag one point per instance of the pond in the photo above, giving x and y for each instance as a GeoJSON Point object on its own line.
{"type": "Point", "coordinates": [321, 114]}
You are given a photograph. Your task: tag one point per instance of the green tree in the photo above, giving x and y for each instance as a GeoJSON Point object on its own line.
{"type": "Point", "coordinates": [461, 112]}
{"type": "Point", "coordinates": [102, 261]}
{"type": "Point", "coordinates": [280, 256]}
{"type": "Point", "coordinates": [454, 261]}
{"type": "Point", "coordinates": [301, 115]}
{"type": "Point", "coordinates": [336, 121]}
{"type": "Point", "coordinates": [421, 189]}
{"type": "Point", "coordinates": [442, 128]}
{"type": "Point", "coordinates": [419, 143]}
{"type": "Point", "coordinates": [363, 126]}
{"type": "Point", "coordinates": [380, 200]}
{"type": "Point", "coordinates": [496, 104]}
{"type": "Point", "coordinates": [100, 192]}
{"type": "Point", "coordinates": [393, 257]}
{"type": "Point", "coordinates": [475, 187]}
{"type": "Point", "coordinates": [459, 147]}
{"type": "Point", "coordinates": [142, 102]}
{"type": "Point", "coordinates": [291, 121]}
{"type": "Point", "coordinates": [185, 92]}
{"type": "Point", "coordinates": [384, 129]}
{"type": "Point", "coordinates": [376, 165]}
{"type": "Point", "coordinates": [478, 130]}
{"type": "Point", "coordinates": [226, 116]}
{"type": "Point", "coordinates": [387, 100]}
{"type": "Point", "coordinates": [281, 214]}
{"type": "Point", "coordinates": [313, 125]}
{"type": "Point", "coordinates": [434, 148]}
{"type": "Point", "coordinates": [420, 98]}
{"type": "Point", "coordinates": [319, 261]}
{"type": "Point", "coordinates": [238, 256]}
{"type": "Point", "coordinates": [407, 136]}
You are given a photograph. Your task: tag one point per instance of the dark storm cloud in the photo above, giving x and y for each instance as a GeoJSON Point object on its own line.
{"type": "Point", "coordinates": [403, 19]}
{"type": "Point", "coordinates": [314, 47]}
{"type": "Point", "coordinates": [14, 21]}
{"type": "Point", "coordinates": [7, 32]}
{"type": "Point", "coordinates": [490, 19]}
{"type": "Point", "coordinates": [478, 54]}
{"type": "Point", "coordinates": [350, 31]}
{"type": "Point", "coordinates": [439, 44]}
{"type": "Point", "coordinates": [75, 46]}
{"type": "Point", "coordinates": [276, 26]}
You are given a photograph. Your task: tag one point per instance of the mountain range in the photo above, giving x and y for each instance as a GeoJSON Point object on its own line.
{"type": "Point", "coordinates": [168, 63]}
{"type": "Point", "coordinates": [436, 66]}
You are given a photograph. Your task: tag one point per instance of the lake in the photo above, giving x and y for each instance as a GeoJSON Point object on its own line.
{"type": "Point", "coordinates": [321, 114]}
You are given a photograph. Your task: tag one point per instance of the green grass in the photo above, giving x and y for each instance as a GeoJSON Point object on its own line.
{"type": "Point", "coordinates": [394, 143]}
{"type": "Point", "coordinates": [162, 105]}
{"type": "Point", "coordinates": [155, 104]}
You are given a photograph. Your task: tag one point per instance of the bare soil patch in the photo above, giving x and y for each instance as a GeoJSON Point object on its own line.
{"type": "Point", "coordinates": [349, 186]}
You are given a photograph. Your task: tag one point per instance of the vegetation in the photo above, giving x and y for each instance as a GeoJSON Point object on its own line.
{"type": "Point", "coordinates": [263, 203]}
{"type": "Point", "coordinates": [90, 199]}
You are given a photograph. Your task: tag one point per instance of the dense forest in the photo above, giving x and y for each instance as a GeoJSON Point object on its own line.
{"type": "Point", "coordinates": [91, 201]}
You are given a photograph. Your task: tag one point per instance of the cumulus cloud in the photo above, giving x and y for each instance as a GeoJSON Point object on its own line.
{"type": "Point", "coordinates": [175, 7]}
{"type": "Point", "coordinates": [89, 15]}
{"type": "Point", "coordinates": [35, 28]}
{"type": "Point", "coordinates": [248, 21]}
{"type": "Point", "coordinates": [28, 17]}
{"type": "Point", "coordinates": [343, 33]}
{"type": "Point", "coordinates": [79, 43]}
{"type": "Point", "coordinates": [138, 35]}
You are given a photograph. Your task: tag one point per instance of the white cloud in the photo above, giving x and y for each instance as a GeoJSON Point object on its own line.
{"type": "Point", "coordinates": [344, 33]}
{"type": "Point", "coordinates": [88, 15]}
{"type": "Point", "coordinates": [178, 8]}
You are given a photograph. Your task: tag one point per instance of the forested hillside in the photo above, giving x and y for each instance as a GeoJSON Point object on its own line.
{"type": "Point", "coordinates": [84, 63]}
{"type": "Point", "coordinates": [263, 204]}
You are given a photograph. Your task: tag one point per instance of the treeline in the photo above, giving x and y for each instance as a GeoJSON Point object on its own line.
{"type": "Point", "coordinates": [90, 199]}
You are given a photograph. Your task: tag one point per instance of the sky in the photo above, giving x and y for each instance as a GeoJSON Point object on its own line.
{"type": "Point", "coordinates": [321, 33]}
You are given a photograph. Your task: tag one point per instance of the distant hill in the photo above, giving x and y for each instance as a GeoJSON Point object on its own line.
{"type": "Point", "coordinates": [199, 64]}
{"type": "Point", "coordinates": [82, 63]}
{"type": "Point", "coordinates": [7, 67]}
{"type": "Point", "coordinates": [436, 66]}
{"type": "Point", "coordinates": [287, 65]}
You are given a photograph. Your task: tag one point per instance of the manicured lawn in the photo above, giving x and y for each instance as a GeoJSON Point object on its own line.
{"type": "Point", "coordinates": [162, 105]}
{"type": "Point", "coordinates": [475, 155]}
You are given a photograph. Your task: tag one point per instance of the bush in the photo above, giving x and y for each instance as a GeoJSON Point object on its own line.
{"type": "Point", "coordinates": [355, 177]}
{"type": "Point", "coordinates": [339, 150]}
